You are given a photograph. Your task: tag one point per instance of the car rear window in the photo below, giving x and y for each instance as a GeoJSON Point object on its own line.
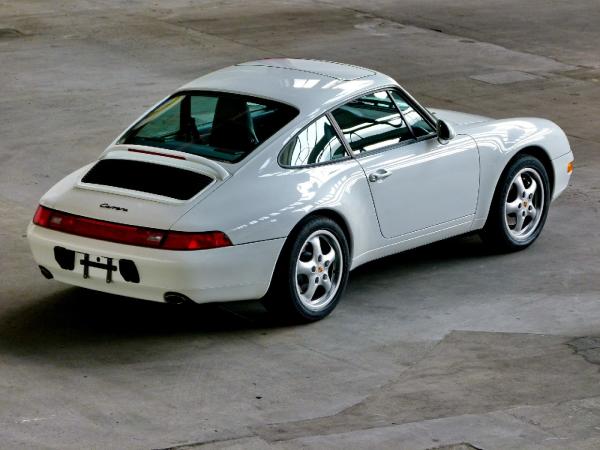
{"type": "Point", "coordinates": [221, 126]}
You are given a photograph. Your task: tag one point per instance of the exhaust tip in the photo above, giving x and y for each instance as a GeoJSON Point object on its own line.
{"type": "Point", "coordinates": [47, 274]}
{"type": "Point", "coordinates": [175, 298]}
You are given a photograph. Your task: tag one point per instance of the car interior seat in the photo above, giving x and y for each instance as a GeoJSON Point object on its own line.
{"type": "Point", "coordinates": [232, 125]}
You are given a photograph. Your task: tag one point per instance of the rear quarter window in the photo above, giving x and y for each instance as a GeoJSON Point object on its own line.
{"type": "Point", "coordinates": [317, 143]}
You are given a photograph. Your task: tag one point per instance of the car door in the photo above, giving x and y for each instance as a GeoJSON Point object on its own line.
{"type": "Point", "coordinates": [416, 182]}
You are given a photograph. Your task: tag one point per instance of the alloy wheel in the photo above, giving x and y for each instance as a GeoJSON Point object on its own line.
{"type": "Point", "coordinates": [318, 270]}
{"type": "Point", "coordinates": [524, 204]}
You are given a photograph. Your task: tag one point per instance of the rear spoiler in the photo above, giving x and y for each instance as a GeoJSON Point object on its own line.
{"type": "Point", "coordinates": [168, 157]}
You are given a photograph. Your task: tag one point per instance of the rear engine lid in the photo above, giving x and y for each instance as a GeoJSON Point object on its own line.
{"type": "Point", "coordinates": [152, 173]}
{"type": "Point", "coordinates": [147, 177]}
{"type": "Point", "coordinates": [139, 186]}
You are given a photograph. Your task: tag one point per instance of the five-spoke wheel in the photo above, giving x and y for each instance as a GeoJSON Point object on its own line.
{"type": "Point", "coordinates": [311, 273]}
{"type": "Point", "coordinates": [518, 211]}
{"type": "Point", "coordinates": [318, 269]}
{"type": "Point", "coordinates": [524, 203]}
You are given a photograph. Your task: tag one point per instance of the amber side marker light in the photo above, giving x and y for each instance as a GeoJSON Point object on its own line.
{"type": "Point", "coordinates": [128, 234]}
{"type": "Point", "coordinates": [570, 167]}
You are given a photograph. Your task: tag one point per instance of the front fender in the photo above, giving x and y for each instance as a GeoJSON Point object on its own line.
{"type": "Point", "coordinates": [500, 140]}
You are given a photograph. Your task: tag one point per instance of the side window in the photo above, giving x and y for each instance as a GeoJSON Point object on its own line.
{"type": "Point", "coordinates": [419, 125]}
{"type": "Point", "coordinates": [372, 122]}
{"type": "Point", "coordinates": [317, 143]}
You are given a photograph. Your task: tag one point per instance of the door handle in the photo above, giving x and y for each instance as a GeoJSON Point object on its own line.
{"type": "Point", "coordinates": [378, 175]}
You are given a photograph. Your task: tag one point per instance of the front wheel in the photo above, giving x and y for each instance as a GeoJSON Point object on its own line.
{"type": "Point", "coordinates": [520, 206]}
{"type": "Point", "coordinates": [311, 274]}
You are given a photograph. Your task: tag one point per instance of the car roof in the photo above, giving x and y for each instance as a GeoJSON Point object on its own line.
{"type": "Point", "coordinates": [311, 86]}
{"type": "Point", "coordinates": [339, 71]}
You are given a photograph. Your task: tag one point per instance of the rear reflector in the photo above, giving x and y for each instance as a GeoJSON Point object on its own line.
{"type": "Point", "coordinates": [128, 234]}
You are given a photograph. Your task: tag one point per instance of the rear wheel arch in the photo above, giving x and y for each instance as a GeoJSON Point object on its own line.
{"type": "Point", "coordinates": [285, 299]}
{"type": "Point", "coordinates": [328, 213]}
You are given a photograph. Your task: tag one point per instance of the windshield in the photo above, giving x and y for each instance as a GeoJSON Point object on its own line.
{"type": "Point", "coordinates": [220, 126]}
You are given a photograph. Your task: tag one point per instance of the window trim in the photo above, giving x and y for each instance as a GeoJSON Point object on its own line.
{"type": "Point", "coordinates": [412, 132]}
{"type": "Point", "coordinates": [357, 154]}
{"type": "Point", "coordinates": [336, 130]}
{"type": "Point", "coordinates": [350, 154]}
{"type": "Point", "coordinates": [420, 110]}
{"type": "Point", "coordinates": [412, 102]}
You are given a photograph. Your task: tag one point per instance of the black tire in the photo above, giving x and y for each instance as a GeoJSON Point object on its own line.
{"type": "Point", "coordinates": [283, 298]}
{"type": "Point", "coordinates": [497, 232]}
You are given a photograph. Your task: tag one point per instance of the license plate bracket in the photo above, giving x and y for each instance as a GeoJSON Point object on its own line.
{"type": "Point", "coordinates": [82, 262]}
{"type": "Point", "coordinates": [86, 262]}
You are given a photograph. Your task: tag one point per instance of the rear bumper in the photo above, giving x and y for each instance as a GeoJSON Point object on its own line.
{"type": "Point", "coordinates": [239, 272]}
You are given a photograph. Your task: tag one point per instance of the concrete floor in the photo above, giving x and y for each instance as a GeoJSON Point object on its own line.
{"type": "Point", "coordinates": [445, 346]}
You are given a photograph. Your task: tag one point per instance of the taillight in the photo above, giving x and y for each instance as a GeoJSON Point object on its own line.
{"type": "Point", "coordinates": [42, 216]}
{"type": "Point", "coordinates": [128, 234]}
{"type": "Point", "coordinates": [195, 241]}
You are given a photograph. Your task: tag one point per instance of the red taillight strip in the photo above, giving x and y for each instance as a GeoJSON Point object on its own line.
{"type": "Point", "coordinates": [148, 152]}
{"type": "Point", "coordinates": [128, 234]}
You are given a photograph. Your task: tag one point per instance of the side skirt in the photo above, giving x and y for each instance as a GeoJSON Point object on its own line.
{"type": "Point", "coordinates": [416, 239]}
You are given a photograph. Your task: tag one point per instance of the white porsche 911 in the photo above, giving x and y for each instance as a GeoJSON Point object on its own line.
{"type": "Point", "coordinates": [273, 179]}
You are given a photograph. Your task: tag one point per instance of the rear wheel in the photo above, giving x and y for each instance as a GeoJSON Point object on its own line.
{"type": "Point", "coordinates": [311, 273]}
{"type": "Point", "coordinates": [520, 206]}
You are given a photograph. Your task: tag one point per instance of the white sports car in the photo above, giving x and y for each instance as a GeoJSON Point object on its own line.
{"type": "Point", "coordinates": [273, 179]}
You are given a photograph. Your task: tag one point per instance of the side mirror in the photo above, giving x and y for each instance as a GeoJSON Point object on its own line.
{"type": "Point", "coordinates": [445, 132]}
